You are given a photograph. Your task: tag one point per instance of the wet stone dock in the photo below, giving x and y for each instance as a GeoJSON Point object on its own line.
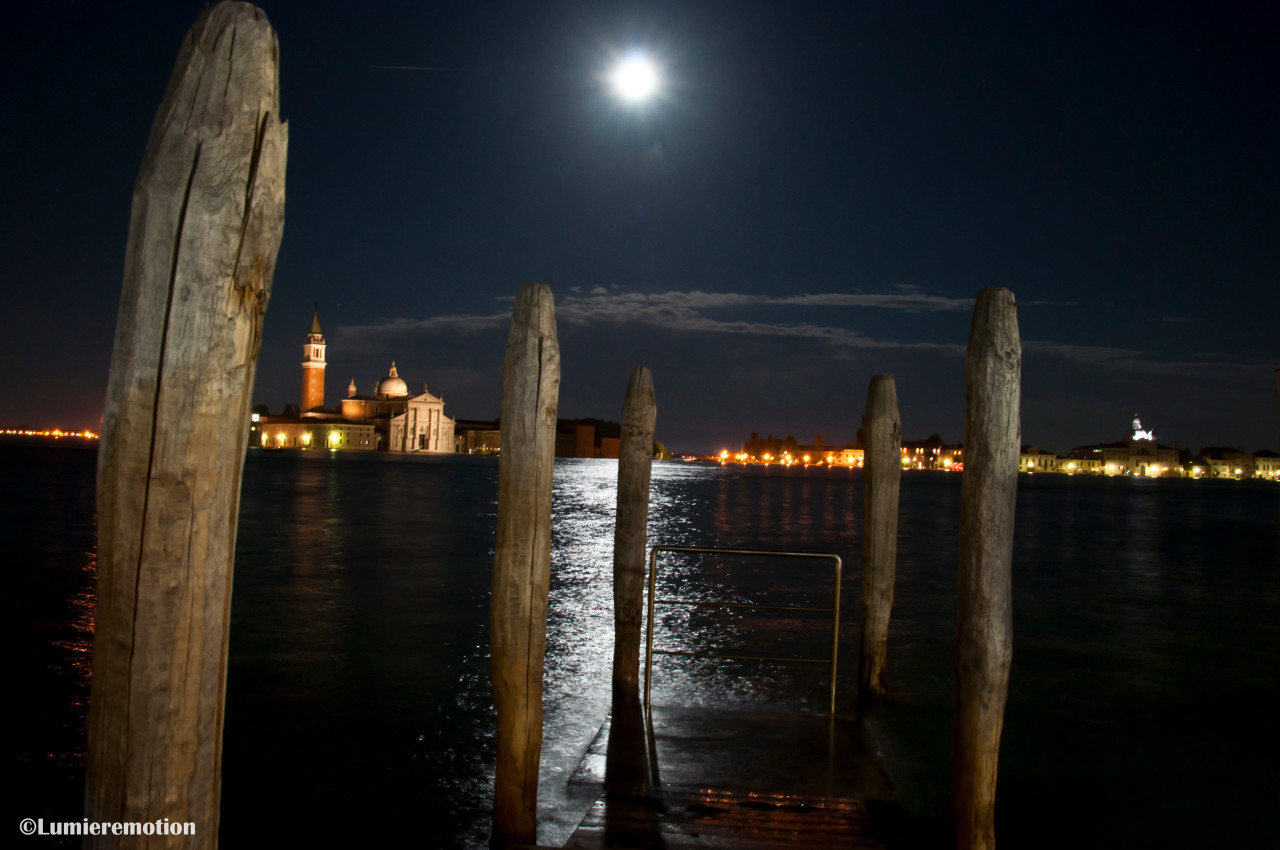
{"type": "Point", "coordinates": [695, 777]}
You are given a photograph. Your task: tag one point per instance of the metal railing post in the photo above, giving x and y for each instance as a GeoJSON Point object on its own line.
{"type": "Point", "coordinates": [648, 636]}
{"type": "Point", "coordinates": [834, 610]}
{"type": "Point", "coordinates": [835, 635]}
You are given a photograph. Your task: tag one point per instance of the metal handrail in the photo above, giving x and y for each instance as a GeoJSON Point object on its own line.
{"type": "Point", "coordinates": [834, 610]}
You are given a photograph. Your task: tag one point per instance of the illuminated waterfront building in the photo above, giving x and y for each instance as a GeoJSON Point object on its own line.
{"type": "Point", "coordinates": [1266, 464]}
{"type": "Point", "coordinates": [932, 453]}
{"type": "Point", "coordinates": [390, 419]}
{"type": "Point", "coordinates": [422, 427]}
{"type": "Point", "coordinates": [787, 451]}
{"type": "Point", "coordinates": [472, 437]}
{"type": "Point", "coordinates": [590, 438]}
{"type": "Point", "coordinates": [294, 432]}
{"type": "Point", "coordinates": [1228, 462]}
{"type": "Point", "coordinates": [1031, 459]}
{"type": "Point", "coordinates": [390, 398]}
{"type": "Point", "coordinates": [1138, 454]}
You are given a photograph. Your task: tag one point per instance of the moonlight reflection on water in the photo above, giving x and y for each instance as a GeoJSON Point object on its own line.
{"type": "Point", "coordinates": [359, 673]}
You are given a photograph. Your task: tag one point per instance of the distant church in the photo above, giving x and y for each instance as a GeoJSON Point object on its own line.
{"type": "Point", "coordinates": [390, 419]}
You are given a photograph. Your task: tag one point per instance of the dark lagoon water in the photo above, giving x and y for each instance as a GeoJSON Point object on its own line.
{"type": "Point", "coordinates": [1143, 701]}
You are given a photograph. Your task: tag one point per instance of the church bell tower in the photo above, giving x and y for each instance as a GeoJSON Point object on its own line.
{"type": "Point", "coordinates": [313, 367]}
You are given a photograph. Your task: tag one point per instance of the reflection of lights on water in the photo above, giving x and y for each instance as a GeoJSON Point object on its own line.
{"type": "Point", "coordinates": [580, 614]}
{"type": "Point", "coordinates": [83, 605]}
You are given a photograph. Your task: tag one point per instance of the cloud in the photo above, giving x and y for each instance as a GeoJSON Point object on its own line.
{"type": "Point", "coordinates": [687, 311]}
{"type": "Point", "coordinates": [464, 323]}
{"type": "Point", "coordinates": [694, 312]}
{"type": "Point", "coordinates": [1144, 363]}
{"type": "Point", "coordinates": [1080, 353]}
{"type": "Point", "coordinates": [1187, 369]}
{"type": "Point", "coordinates": [1044, 302]}
{"type": "Point", "coordinates": [614, 305]}
{"type": "Point", "coordinates": [907, 299]}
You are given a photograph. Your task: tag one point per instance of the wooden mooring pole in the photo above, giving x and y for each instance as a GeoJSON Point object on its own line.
{"type": "Point", "coordinates": [881, 477]}
{"type": "Point", "coordinates": [627, 763]}
{"type": "Point", "coordinates": [522, 560]}
{"type": "Point", "coordinates": [635, 462]}
{"type": "Point", "coordinates": [984, 638]}
{"type": "Point", "coordinates": [206, 222]}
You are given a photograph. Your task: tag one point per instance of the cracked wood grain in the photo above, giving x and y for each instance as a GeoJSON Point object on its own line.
{"type": "Point", "coordinates": [522, 559]}
{"type": "Point", "coordinates": [206, 223]}
{"type": "Point", "coordinates": [984, 636]}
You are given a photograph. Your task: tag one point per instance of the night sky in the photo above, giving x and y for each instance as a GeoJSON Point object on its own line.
{"type": "Point", "coordinates": [815, 198]}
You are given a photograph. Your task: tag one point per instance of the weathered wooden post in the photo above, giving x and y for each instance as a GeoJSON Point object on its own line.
{"type": "Point", "coordinates": [522, 560]}
{"type": "Point", "coordinates": [626, 766]}
{"type": "Point", "coordinates": [984, 638]}
{"type": "Point", "coordinates": [208, 214]}
{"type": "Point", "coordinates": [635, 461]}
{"type": "Point", "coordinates": [880, 480]}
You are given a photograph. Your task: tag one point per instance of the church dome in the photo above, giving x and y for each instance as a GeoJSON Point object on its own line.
{"type": "Point", "coordinates": [392, 386]}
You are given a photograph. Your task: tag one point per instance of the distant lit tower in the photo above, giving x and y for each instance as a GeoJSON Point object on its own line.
{"type": "Point", "coordinates": [313, 366]}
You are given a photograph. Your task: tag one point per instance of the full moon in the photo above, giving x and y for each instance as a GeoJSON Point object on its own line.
{"type": "Point", "coordinates": [635, 79]}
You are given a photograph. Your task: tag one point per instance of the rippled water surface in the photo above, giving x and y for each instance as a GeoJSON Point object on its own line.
{"type": "Point", "coordinates": [1143, 700]}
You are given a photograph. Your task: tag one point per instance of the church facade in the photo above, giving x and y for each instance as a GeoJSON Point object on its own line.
{"type": "Point", "coordinates": [422, 427]}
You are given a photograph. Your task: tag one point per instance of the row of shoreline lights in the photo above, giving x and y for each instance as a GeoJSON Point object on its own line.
{"type": "Point", "coordinates": [334, 439]}
{"type": "Point", "coordinates": [1153, 471]}
{"type": "Point", "coordinates": [787, 459]}
{"type": "Point", "coordinates": [56, 433]}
